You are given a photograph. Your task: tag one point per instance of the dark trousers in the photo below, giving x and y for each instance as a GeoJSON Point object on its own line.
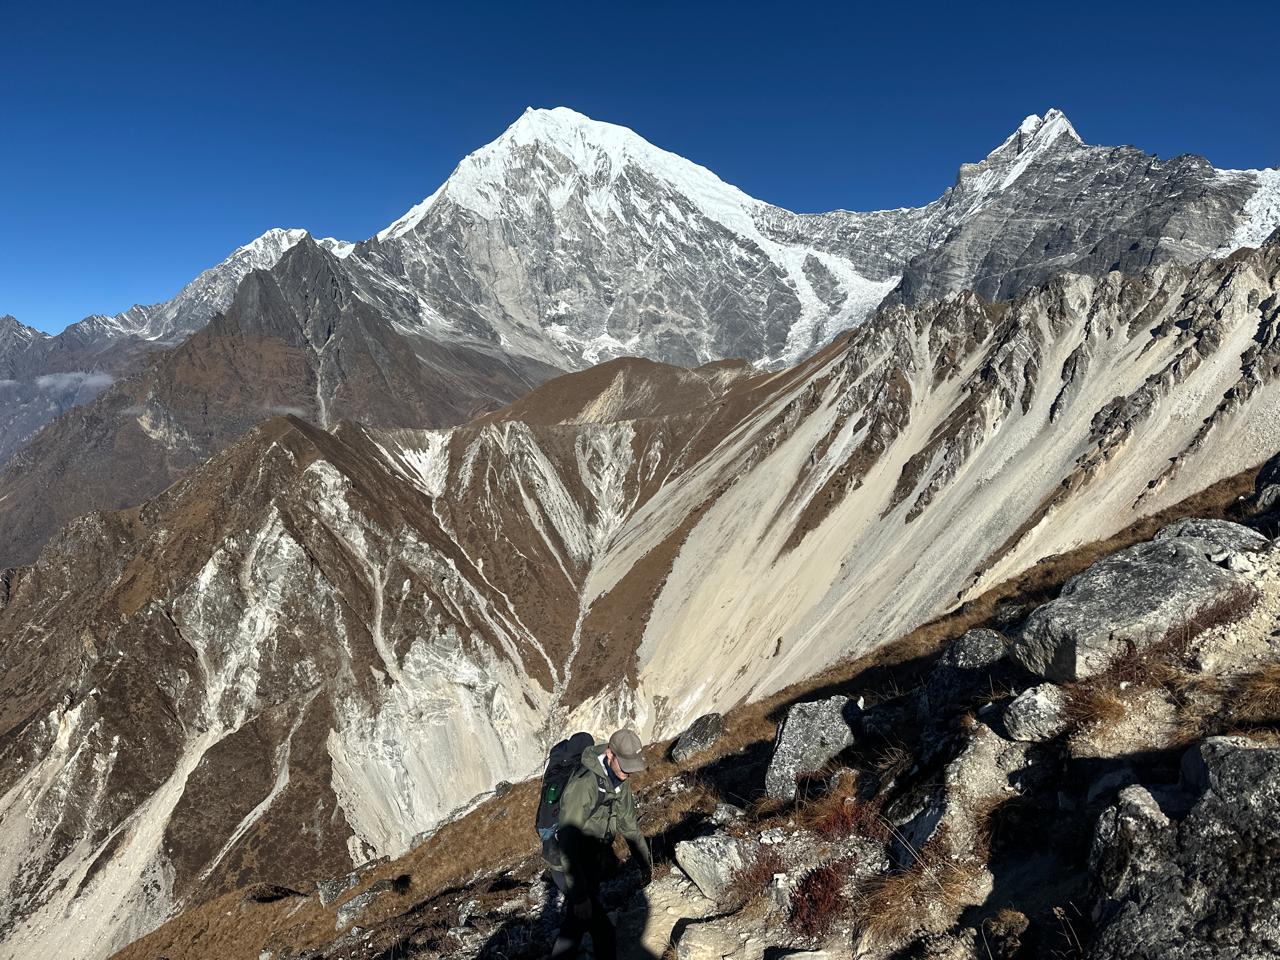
{"type": "Point", "coordinates": [604, 942]}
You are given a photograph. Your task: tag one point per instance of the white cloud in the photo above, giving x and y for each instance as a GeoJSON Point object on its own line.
{"type": "Point", "coordinates": [74, 380]}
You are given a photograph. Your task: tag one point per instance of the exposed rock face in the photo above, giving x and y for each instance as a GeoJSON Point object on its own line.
{"type": "Point", "coordinates": [1033, 202]}
{"type": "Point", "coordinates": [601, 243]}
{"type": "Point", "coordinates": [710, 862]}
{"type": "Point", "coordinates": [568, 241]}
{"type": "Point", "coordinates": [337, 617]}
{"type": "Point", "coordinates": [702, 733]}
{"type": "Point", "coordinates": [42, 376]}
{"type": "Point", "coordinates": [1037, 714]}
{"type": "Point", "coordinates": [351, 910]}
{"type": "Point", "coordinates": [293, 341]}
{"type": "Point", "coordinates": [1132, 599]}
{"type": "Point", "coordinates": [963, 671]}
{"type": "Point", "coordinates": [811, 735]}
{"type": "Point", "coordinates": [1208, 887]}
{"type": "Point", "coordinates": [983, 773]}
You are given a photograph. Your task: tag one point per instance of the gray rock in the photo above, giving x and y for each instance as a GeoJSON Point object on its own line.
{"type": "Point", "coordinates": [1132, 598]}
{"type": "Point", "coordinates": [725, 813]}
{"type": "Point", "coordinates": [1268, 476]}
{"type": "Point", "coordinates": [1114, 782]}
{"type": "Point", "coordinates": [702, 733]}
{"type": "Point", "coordinates": [1214, 536]}
{"type": "Point", "coordinates": [811, 735]}
{"type": "Point", "coordinates": [963, 671]}
{"type": "Point", "coordinates": [1268, 498]}
{"type": "Point", "coordinates": [350, 910]}
{"type": "Point", "coordinates": [975, 650]}
{"type": "Point", "coordinates": [1208, 887]}
{"type": "Point", "coordinates": [710, 862]}
{"type": "Point", "coordinates": [1037, 714]}
{"type": "Point", "coordinates": [961, 945]}
{"type": "Point", "coordinates": [330, 890]}
{"type": "Point", "coordinates": [983, 772]}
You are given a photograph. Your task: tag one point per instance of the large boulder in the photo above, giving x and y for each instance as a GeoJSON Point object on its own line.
{"type": "Point", "coordinates": [702, 733]}
{"type": "Point", "coordinates": [1135, 598]}
{"type": "Point", "coordinates": [1207, 888]}
{"type": "Point", "coordinates": [710, 862]}
{"type": "Point", "coordinates": [962, 672]}
{"type": "Point", "coordinates": [1215, 537]}
{"type": "Point", "coordinates": [810, 736]}
{"type": "Point", "coordinates": [1037, 714]}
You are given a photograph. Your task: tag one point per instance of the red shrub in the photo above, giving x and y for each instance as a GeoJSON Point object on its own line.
{"type": "Point", "coordinates": [819, 899]}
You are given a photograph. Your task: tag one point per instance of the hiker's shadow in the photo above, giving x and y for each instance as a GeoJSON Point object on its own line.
{"type": "Point", "coordinates": [531, 937]}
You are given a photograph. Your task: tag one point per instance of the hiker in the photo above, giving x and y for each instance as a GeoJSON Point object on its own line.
{"type": "Point", "coordinates": [596, 804]}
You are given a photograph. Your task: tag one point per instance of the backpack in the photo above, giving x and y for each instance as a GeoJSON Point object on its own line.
{"type": "Point", "coordinates": [562, 761]}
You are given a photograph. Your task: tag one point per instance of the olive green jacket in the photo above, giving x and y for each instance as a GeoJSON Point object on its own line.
{"type": "Point", "coordinates": [592, 810]}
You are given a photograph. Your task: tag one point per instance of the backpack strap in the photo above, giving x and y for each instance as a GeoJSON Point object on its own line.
{"type": "Point", "coordinates": [602, 789]}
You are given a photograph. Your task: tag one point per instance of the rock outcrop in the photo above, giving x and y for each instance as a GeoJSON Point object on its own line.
{"type": "Point", "coordinates": [711, 862]}
{"type": "Point", "coordinates": [811, 735]}
{"type": "Point", "coordinates": [1207, 886]}
{"type": "Point", "coordinates": [1037, 714]}
{"type": "Point", "coordinates": [1135, 598]}
{"type": "Point", "coordinates": [701, 735]}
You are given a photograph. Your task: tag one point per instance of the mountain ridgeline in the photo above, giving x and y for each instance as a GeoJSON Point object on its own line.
{"type": "Point", "coordinates": [563, 243]}
{"type": "Point", "coordinates": [259, 673]}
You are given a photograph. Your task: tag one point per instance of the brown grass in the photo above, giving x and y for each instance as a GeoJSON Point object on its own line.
{"type": "Point", "coordinates": [841, 812]}
{"type": "Point", "coordinates": [819, 899]}
{"type": "Point", "coordinates": [497, 834]}
{"type": "Point", "coordinates": [893, 905]}
{"type": "Point", "coordinates": [1256, 696]}
{"type": "Point", "coordinates": [751, 882]}
{"type": "Point", "coordinates": [1090, 704]}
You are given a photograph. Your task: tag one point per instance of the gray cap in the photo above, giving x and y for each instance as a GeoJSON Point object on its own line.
{"type": "Point", "coordinates": [626, 747]}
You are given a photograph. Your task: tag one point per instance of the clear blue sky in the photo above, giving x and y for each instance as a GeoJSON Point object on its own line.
{"type": "Point", "coordinates": [143, 142]}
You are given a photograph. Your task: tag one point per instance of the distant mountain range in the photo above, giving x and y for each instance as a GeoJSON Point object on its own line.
{"type": "Point", "coordinates": [563, 243]}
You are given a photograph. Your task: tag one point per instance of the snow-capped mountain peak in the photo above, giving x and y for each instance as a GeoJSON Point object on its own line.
{"type": "Point", "coordinates": [1036, 130]}
{"type": "Point", "coordinates": [209, 293]}
{"type": "Point", "coordinates": [1034, 140]}
{"type": "Point", "coordinates": [563, 149]}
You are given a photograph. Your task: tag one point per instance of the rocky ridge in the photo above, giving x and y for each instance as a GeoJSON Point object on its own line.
{"type": "Point", "coordinates": [294, 340]}
{"type": "Point", "coordinates": [925, 831]}
{"type": "Point", "coordinates": [334, 612]}
{"type": "Point", "coordinates": [43, 376]}
{"type": "Point", "coordinates": [568, 241]}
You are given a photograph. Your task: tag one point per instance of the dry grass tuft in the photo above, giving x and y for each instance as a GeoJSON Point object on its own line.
{"type": "Point", "coordinates": [662, 809]}
{"type": "Point", "coordinates": [819, 899]}
{"type": "Point", "coordinates": [751, 882]}
{"type": "Point", "coordinates": [843, 813]}
{"type": "Point", "coordinates": [896, 904]}
{"type": "Point", "coordinates": [893, 761]}
{"type": "Point", "coordinates": [1093, 703]}
{"type": "Point", "coordinates": [989, 814]}
{"type": "Point", "coordinates": [1163, 664]}
{"type": "Point", "coordinates": [1256, 696]}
